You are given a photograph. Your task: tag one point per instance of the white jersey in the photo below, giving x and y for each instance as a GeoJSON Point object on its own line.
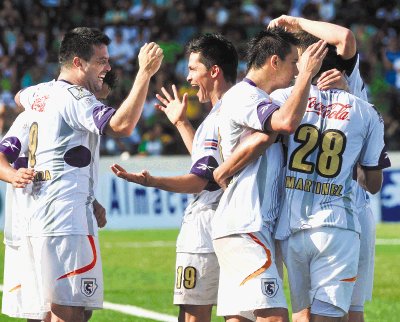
{"type": "Point", "coordinates": [17, 199]}
{"type": "Point", "coordinates": [63, 149]}
{"type": "Point", "coordinates": [357, 88]}
{"type": "Point", "coordinates": [337, 130]}
{"type": "Point", "coordinates": [195, 233]}
{"type": "Point", "coordinates": [252, 198]}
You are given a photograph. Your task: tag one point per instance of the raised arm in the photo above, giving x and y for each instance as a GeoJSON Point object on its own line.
{"type": "Point", "coordinates": [175, 109]}
{"type": "Point", "coordinates": [287, 118]}
{"type": "Point", "coordinates": [127, 115]}
{"type": "Point", "coordinates": [188, 183]}
{"type": "Point", "coordinates": [342, 38]}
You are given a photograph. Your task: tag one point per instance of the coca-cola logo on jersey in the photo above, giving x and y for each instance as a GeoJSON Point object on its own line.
{"type": "Point", "coordinates": [39, 103]}
{"type": "Point", "coordinates": [335, 110]}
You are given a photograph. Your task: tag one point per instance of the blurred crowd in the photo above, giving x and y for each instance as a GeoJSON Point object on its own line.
{"type": "Point", "coordinates": [30, 33]}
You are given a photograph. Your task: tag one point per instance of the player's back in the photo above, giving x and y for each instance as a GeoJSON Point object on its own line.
{"type": "Point", "coordinates": [337, 131]}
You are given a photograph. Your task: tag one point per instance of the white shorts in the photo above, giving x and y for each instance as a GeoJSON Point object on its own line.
{"type": "Point", "coordinates": [322, 264]}
{"type": "Point", "coordinates": [365, 277]}
{"type": "Point", "coordinates": [249, 279]}
{"type": "Point", "coordinates": [196, 279]}
{"type": "Point", "coordinates": [64, 270]}
{"type": "Point", "coordinates": [13, 270]}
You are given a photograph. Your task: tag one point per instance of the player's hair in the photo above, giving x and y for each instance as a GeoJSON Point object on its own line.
{"type": "Point", "coordinates": [110, 79]}
{"type": "Point", "coordinates": [269, 42]}
{"type": "Point", "coordinates": [332, 59]}
{"type": "Point", "coordinates": [215, 49]}
{"type": "Point", "coordinates": [79, 42]}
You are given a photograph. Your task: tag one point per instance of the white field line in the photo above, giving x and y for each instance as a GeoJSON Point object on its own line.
{"type": "Point", "coordinates": [387, 241]}
{"type": "Point", "coordinates": [135, 311]}
{"type": "Point", "coordinates": [154, 244]}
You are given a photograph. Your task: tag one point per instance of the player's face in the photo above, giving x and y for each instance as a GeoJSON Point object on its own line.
{"type": "Point", "coordinates": [96, 69]}
{"type": "Point", "coordinates": [288, 69]}
{"type": "Point", "coordinates": [199, 76]}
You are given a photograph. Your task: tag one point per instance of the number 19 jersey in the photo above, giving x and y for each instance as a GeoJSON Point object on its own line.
{"type": "Point", "coordinates": [337, 130]}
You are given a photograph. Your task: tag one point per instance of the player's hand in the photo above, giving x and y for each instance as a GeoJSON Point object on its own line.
{"type": "Point", "coordinates": [22, 177]}
{"type": "Point", "coordinates": [288, 22]}
{"type": "Point", "coordinates": [312, 58]}
{"type": "Point", "coordinates": [220, 179]}
{"type": "Point", "coordinates": [150, 58]}
{"type": "Point", "coordinates": [173, 106]}
{"type": "Point", "coordinates": [100, 214]}
{"type": "Point", "coordinates": [332, 79]}
{"type": "Point", "coordinates": [143, 178]}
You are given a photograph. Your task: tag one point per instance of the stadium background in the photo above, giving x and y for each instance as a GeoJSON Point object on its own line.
{"type": "Point", "coordinates": [139, 264]}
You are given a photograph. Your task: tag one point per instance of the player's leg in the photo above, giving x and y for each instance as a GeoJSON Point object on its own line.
{"type": "Point", "coordinates": [332, 282]}
{"type": "Point", "coordinates": [237, 318]}
{"type": "Point", "coordinates": [302, 316]}
{"type": "Point", "coordinates": [272, 315]}
{"type": "Point", "coordinates": [194, 313]}
{"type": "Point", "coordinates": [63, 313]}
{"type": "Point", "coordinates": [196, 285]}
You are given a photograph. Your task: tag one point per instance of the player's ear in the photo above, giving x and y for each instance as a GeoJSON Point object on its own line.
{"type": "Point", "coordinates": [77, 62]}
{"type": "Point", "coordinates": [274, 61]}
{"type": "Point", "coordinates": [215, 70]}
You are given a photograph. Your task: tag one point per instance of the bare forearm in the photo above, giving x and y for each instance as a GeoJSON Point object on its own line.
{"type": "Point", "coordinates": [288, 117]}
{"type": "Point", "coordinates": [188, 183]}
{"type": "Point", "coordinates": [245, 153]}
{"type": "Point", "coordinates": [342, 38]}
{"type": "Point", "coordinates": [126, 117]}
{"type": "Point", "coordinates": [370, 181]}
{"type": "Point", "coordinates": [187, 132]}
{"type": "Point", "coordinates": [7, 171]}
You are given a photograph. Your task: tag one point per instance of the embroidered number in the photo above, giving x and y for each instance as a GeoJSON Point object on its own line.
{"type": "Point", "coordinates": [331, 145]}
{"type": "Point", "coordinates": [185, 277]}
{"type": "Point", "coordinates": [33, 142]}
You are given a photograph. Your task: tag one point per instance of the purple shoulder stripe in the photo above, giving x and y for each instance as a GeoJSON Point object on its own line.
{"type": "Point", "coordinates": [21, 162]}
{"type": "Point", "coordinates": [265, 110]}
{"type": "Point", "coordinates": [101, 116]}
{"type": "Point", "coordinates": [11, 147]}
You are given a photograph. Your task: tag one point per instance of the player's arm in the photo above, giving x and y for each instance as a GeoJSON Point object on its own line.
{"type": "Point", "coordinates": [188, 183]}
{"type": "Point", "coordinates": [246, 152]}
{"type": "Point", "coordinates": [287, 118]}
{"type": "Point", "coordinates": [175, 109]}
{"type": "Point", "coordinates": [342, 38]}
{"type": "Point", "coordinates": [127, 115]}
{"type": "Point", "coordinates": [18, 178]}
{"type": "Point", "coordinates": [370, 180]}
{"type": "Point", "coordinates": [100, 214]}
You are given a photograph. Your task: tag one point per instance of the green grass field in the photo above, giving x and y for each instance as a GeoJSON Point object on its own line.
{"type": "Point", "coordinates": [140, 272]}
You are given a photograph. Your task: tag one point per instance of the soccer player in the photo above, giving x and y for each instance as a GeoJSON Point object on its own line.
{"type": "Point", "coordinates": [345, 43]}
{"type": "Point", "coordinates": [16, 198]}
{"type": "Point", "coordinates": [244, 220]}
{"type": "Point", "coordinates": [65, 122]}
{"type": "Point", "coordinates": [318, 225]}
{"type": "Point", "coordinates": [212, 69]}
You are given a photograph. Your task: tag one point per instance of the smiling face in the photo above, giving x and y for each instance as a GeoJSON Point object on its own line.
{"type": "Point", "coordinates": [199, 76]}
{"type": "Point", "coordinates": [96, 68]}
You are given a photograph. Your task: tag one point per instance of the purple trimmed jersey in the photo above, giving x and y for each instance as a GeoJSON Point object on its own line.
{"type": "Point", "coordinates": [63, 147]}
{"type": "Point", "coordinates": [195, 233]}
{"type": "Point", "coordinates": [252, 199]}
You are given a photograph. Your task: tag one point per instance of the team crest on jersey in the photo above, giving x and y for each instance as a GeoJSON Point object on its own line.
{"type": "Point", "coordinates": [39, 103]}
{"type": "Point", "coordinates": [88, 286]}
{"type": "Point", "coordinates": [269, 286]}
{"type": "Point", "coordinates": [79, 92]}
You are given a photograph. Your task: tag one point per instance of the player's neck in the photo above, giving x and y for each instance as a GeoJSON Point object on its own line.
{"type": "Point", "coordinates": [219, 91]}
{"type": "Point", "coordinates": [258, 77]}
{"type": "Point", "coordinates": [69, 77]}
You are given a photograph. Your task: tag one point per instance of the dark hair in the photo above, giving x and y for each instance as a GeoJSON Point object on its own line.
{"type": "Point", "coordinates": [110, 79]}
{"type": "Point", "coordinates": [269, 42]}
{"type": "Point", "coordinates": [332, 59]}
{"type": "Point", "coordinates": [215, 49]}
{"type": "Point", "coordinates": [79, 42]}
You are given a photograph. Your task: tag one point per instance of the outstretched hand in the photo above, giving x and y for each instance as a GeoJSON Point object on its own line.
{"type": "Point", "coordinates": [143, 178]}
{"type": "Point", "coordinates": [173, 106]}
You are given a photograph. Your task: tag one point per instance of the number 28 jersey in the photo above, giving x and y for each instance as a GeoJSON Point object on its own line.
{"type": "Point", "coordinates": [64, 127]}
{"type": "Point", "coordinates": [337, 130]}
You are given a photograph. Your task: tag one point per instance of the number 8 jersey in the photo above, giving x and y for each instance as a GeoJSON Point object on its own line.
{"type": "Point", "coordinates": [337, 131]}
